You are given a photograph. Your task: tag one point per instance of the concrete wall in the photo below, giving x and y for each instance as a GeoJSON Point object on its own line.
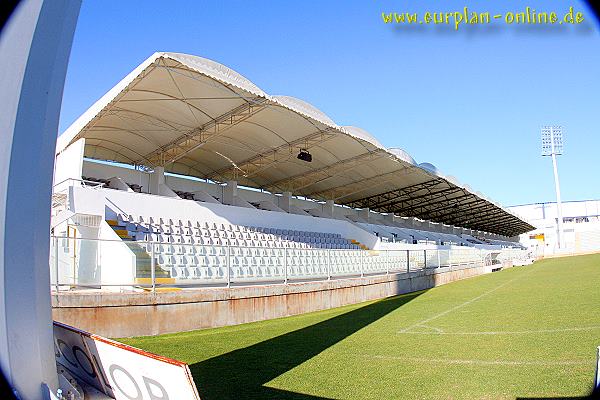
{"type": "Point", "coordinates": [116, 260]}
{"type": "Point", "coordinates": [147, 205]}
{"type": "Point", "coordinates": [69, 163]}
{"type": "Point", "coordinates": [101, 170]}
{"type": "Point", "coordinates": [138, 314]}
{"type": "Point", "coordinates": [189, 184]}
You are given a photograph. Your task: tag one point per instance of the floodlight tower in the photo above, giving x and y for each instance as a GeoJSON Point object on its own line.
{"type": "Point", "coordinates": [552, 145]}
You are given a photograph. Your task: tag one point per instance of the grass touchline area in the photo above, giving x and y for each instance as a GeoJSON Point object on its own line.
{"type": "Point", "coordinates": [525, 332]}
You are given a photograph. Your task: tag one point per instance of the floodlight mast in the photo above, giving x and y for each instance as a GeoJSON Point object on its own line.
{"type": "Point", "coordinates": [552, 145]}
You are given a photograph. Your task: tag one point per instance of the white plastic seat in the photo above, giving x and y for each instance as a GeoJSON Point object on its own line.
{"type": "Point", "coordinates": [192, 261]}
{"type": "Point", "coordinates": [195, 272]}
{"type": "Point", "coordinates": [237, 273]}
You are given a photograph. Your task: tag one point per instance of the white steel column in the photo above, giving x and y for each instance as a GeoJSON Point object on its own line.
{"type": "Point", "coordinates": [328, 208]}
{"type": "Point", "coordinates": [552, 145]}
{"type": "Point", "coordinates": [285, 201]}
{"type": "Point", "coordinates": [156, 180]}
{"type": "Point", "coordinates": [34, 51]}
{"type": "Point", "coordinates": [561, 242]}
{"type": "Point", "coordinates": [230, 193]}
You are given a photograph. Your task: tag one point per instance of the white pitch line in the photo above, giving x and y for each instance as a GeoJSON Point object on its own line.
{"type": "Point", "coordinates": [466, 303]}
{"type": "Point", "coordinates": [558, 330]}
{"type": "Point", "coordinates": [436, 330]}
{"type": "Point", "coordinates": [481, 362]}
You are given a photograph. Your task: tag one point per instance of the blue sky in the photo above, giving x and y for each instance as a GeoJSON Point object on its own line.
{"type": "Point", "coordinates": [469, 101]}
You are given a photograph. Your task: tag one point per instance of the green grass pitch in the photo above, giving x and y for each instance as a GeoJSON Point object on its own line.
{"type": "Point", "coordinates": [526, 332]}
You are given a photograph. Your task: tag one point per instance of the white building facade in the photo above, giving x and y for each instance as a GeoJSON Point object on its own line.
{"type": "Point", "coordinates": [581, 227]}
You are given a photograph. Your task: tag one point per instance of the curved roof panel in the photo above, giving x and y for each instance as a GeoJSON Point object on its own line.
{"type": "Point", "coordinates": [362, 135]}
{"type": "Point", "coordinates": [429, 167]}
{"type": "Point", "coordinates": [217, 71]}
{"type": "Point", "coordinates": [197, 117]}
{"type": "Point", "coordinates": [304, 108]}
{"type": "Point", "coordinates": [403, 155]}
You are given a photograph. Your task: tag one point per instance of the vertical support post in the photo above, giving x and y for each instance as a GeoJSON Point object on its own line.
{"type": "Point", "coordinates": [156, 180]}
{"type": "Point", "coordinates": [285, 201]}
{"type": "Point", "coordinates": [407, 260]}
{"type": "Point", "coordinates": [438, 258]}
{"type": "Point", "coordinates": [153, 269]}
{"type": "Point", "coordinates": [230, 193]}
{"type": "Point", "coordinates": [99, 259]}
{"type": "Point", "coordinates": [285, 266]}
{"type": "Point", "coordinates": [362, 264]}
{"type": "Point", "coordinates": [557, 187]}
{"type": "Point", "coordinates": [35, 46]}
{"type": "Point", "coordinates": [228, 249]}
{"type": "Point", "coordinates": [425, 259]}
{"type": "Point", "coordinates": [482, 257]}
{"type": "Point", "coordinates": [329, 264]}
{"type": "Point", "coordinates": [387, 262]}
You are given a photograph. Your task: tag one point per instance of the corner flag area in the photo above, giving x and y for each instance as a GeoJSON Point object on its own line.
{"type": "Point", "coordinates": [525, 332]}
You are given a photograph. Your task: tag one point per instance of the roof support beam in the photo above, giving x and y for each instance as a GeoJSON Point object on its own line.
{"type": "Point", "coordinates": [510, 226]}
{"type": "Point", "coordinates": [425, 211]}
{"type": "Point", "coordinates": [340, 192]}
{"type": "Point", "coordinates": [196, 138]}
{"type": "Point", "coordinates": [400, 196]}
{"type": "Point", "coordinates": [475, 211]}
{"type": "Point", "coordinates": [452, 207]}
{"type": "Point", "coordinates": [489, 222]}
{"type": "Point", "coordinates": [260, 162]}
{"type": "Point", "coordinates": [376, 201]}
{"type": "Point", "coordinates": [492, 226]}
{"type": "Point", "coordinates": [426, 202]}
{"type": "Point", "coordinates": [507, 218]}
{"type": "Point", "coordinates": [300, 181]}
{"type": "Point", "coordinates": [493, 218]}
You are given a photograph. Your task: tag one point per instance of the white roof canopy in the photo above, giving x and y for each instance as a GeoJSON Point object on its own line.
{"type": "Point", "coordinates": [199, 118]}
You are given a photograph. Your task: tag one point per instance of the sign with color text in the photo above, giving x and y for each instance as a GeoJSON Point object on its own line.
{"type": "Point", "coordinates": [121, 371]}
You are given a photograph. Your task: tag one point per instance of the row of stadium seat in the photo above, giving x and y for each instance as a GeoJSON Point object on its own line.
{"type": "Point", "coordinates": [216, 267]}
{"type": "Point", "coordinates": [175, 240]}
{"type": "Point", "coordinates": [196, 233]}
{"type": "Point", "coordinates": [189, 227]}
{"type": "Point", "coordinates": [199, 250]}
{"type": "Point", "coordinates": [212, 252]}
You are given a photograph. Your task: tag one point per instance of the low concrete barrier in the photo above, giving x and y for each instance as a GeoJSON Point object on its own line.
{"type": "Point", "coordinates": [138, 314]}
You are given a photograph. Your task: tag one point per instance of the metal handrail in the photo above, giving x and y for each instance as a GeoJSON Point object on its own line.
{"type": "Point", "coordinates": [409, 260]}
{"type": "Point", "coordinates": [86, 183]}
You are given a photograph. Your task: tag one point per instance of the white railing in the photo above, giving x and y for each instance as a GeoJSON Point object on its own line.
{"type": "Point", "coordinates": [95, 263]}
{"type": "Point", "coordinates": [66, 183]}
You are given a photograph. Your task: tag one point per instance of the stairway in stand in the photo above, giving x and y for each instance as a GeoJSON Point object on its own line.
{"type": "Point", "coordinates": [359, 244]}
{"type": "Point", "coordinates": [143, 261]}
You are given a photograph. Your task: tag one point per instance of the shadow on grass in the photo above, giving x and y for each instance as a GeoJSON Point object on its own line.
{"type": "Point", "coordinates": [241, 374]}
{"type": "Point", "coordinates": [561, 398]}
{"type": "Point", "coordinates": [594, 395]}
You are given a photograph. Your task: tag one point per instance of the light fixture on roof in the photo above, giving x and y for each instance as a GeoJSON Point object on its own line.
{"type": "Point", "coordinates": [304, 155]}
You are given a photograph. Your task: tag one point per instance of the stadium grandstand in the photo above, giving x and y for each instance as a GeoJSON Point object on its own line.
{"type": "Point", "coordinates": [187, 175]}
{"type": "Point", "coordinates": [188, 198]}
